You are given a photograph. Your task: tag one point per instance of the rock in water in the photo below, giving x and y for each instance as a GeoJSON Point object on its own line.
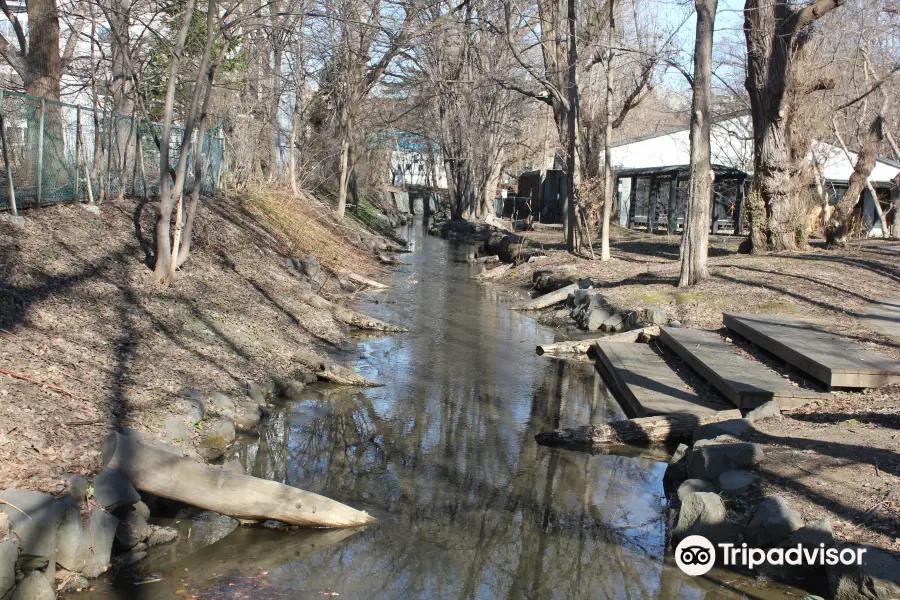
{"type": "Point", "coordinates": [33, 521]}
{"type": "Point", "coordinates": [68, 540]}
{"type": "Point", "coordinates": [103, 531]}
{"type": "Point", "coordinates": [703, 513]}
{"type": "Point", "coordinates": [773, 521]}
{"type": "Point", "coordinates": [694, 486]}
{"type": "Point", "coordinates": [878, 578]}
{"type": "Point", "coordinates": [132, 529]}
{"type": "Point", "coordinates": [34, 587]}
{"type": "Point", "coordinates": [113, 491]}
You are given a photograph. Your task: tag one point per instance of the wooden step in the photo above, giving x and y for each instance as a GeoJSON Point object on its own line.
{"type": "Point", "coordinates": [832, 359]}
{"type": "Point", "coordinates": [746, 383]}
{"type": "Point", "coordinates": [645, 385]}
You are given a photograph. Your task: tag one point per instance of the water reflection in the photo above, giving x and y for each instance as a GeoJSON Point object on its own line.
{"type": "Point", "coordinates": [444, 454]}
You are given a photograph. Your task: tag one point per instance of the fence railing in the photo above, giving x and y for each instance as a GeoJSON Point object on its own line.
{"type": "Point", "coordinates": [55, 152]}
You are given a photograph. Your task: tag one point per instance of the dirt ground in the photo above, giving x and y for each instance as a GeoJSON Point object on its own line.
{"type": "Point", "coordinates": [837, 458]}
{"type": "Point", "coordinates": [81, 314]}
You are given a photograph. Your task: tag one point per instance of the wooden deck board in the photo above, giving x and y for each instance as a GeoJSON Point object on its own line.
{"type": "Point", "coordinates": [746, 383]}
{"type": "Point", "coordinates": [832, 359]}
{"type": "Point", "coordinates": [645, 385]}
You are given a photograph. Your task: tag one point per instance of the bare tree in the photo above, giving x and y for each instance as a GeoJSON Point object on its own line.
{"type": "Point", "coordinates": [695, 240]}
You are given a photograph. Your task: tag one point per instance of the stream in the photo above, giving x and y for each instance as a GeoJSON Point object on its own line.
{"type": "Point", "coordinates": [469, 505]}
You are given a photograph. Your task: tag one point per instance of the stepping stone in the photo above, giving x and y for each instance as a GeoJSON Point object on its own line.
{"type": "Point", "coordinates": [883, 317]}
{"type": "Point", "coordinates": [746, 383]}
{"type": "Point", "coordinates": [645, 385]}
{"type": "Point", "coordinates": [832, 359]}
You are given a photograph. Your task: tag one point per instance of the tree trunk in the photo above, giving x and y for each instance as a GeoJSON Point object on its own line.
{"type": "Point", "coordinates": [608, 192]}
{"type": "Point", "coordinates": [344, 178]}
{"type": "Point", "coordinates": [771, 28]}
{"type": "Point", "coordinates": [695, 241]}
{"type": "Point", "coordinates": [276, 102]}
{"type": "Point", "coordinates": [165, 473]}
{"type": "Point", "coordinates": [572, 132]}
{"type": "Point", "coordinates": [43, 60]}
{"type": "Point", "coordinates": [836, 228]}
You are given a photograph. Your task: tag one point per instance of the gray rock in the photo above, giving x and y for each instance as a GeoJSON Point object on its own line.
{"type": "Point", "coordinates": [256, 393]}
{"type": "Point", "coordinates": [811, 535]}
{"type": "Point", "coordinates": [175, 430]}
{"type": "Point", "coordinates": [589, 297]}
{"type": "Point", "coordinates": [773, 521]}
{"type": "Point", "coordinates": [732, 427]}
{"type": "Point", "coordinates": [585, 283]}
{"type": "Point", "coordinates": [36, 531]}
{"type": "Point", "coordinates": [234, 465]}
{"type": "Point", "coordinates": [613, 323]}
{"type": "Point", "coordinates": [78, 487]}
{"type": "Point", "coordinates": [130, 558]}
{"type": "Point", "coordinates": [9, 554]}
{"type": "Point", "coordinates": [695, 486]}
{"type": "Point", "coordinates": [68, 539]}
{"type": "Point", "coordinates": [218, 427]}
{"type": "Point", "coordinates": [306, 377]}
{"type": "Point", "coordinates": [132, 529]}
{"type": "Point", "coordinates": [34, 587]}
{"type": "Point", "coordinates": [103, 531]}
{"type": "Point", "coordinates": [595, 319]}
{"type": "Point", "coordinates": [674, 323]}
{"type": "Point", "coordinates": [655, 316]}
{"type": "Point", "coordinates": [735, 482]}
{"type": "Point", "coordinates": [71, 582]}
{"type": "Point", "coordinates": [161, 535]}
{"type": "Point", "coordinates": [113, 491]}
{"type": "Point", "coordinates": [191, 404]}
{"type": "Point", "coordinates": [248, 415]}
{"type": "Point", "coordinates": [711, 460]}
{"type": "Point", "coordinates": [91, 208]}
{"type": "Point", "coordinates": [221, 405]}
{"type": "Point", "coordinates": [766, 411]}
{"type": "Point", "coordinates": [142, 509]}
{"type": "Point", "coordinates": [212, 448]}
{"type": "Point", "coordinates": [4, 525]}
{"type": "Point", "coordinates": [290, 389]}
{"type": "Point", "coordinates": [703, 513]}
{"type": "Point", "coordinates": [878, 578]}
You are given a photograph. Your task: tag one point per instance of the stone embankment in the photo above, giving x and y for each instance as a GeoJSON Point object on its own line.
{"type": "Point", "coordinates": [712, 488]}
{"type": "Point", "coordinates": [52, 544]}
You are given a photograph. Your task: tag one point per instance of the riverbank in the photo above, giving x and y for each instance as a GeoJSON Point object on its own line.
{"type": "Point", "coordinates": [99, 344]}
{"type": "Point", "coordinates": [835, 460]}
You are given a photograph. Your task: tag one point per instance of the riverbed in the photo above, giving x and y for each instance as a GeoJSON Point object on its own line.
{"type": "Point", "coordinates": [468, 504]}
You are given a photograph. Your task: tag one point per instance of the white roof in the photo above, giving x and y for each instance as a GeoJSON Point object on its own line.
{"type": "Point", "coordinates": [731, 145]}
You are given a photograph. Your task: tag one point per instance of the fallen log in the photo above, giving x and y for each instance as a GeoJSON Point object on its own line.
{"type": "Point", "coordinates": [346, 315]}
{"type": "Point", "coordinates": [334, 373]}
{"type": "Point", "coordinates": [153, 469]}
{"type": "Point", "coordinates": [510, 247]}
{"type": "Point", "coordinates": [359, 279]}
{"type": "Point", "coordinates": [487, 259]}
{"type": "Point", "coordinates": [582, 346]}
{"type": "Point", "coordinates": [546, 300]}
{"type": "Point", "coordinates": [495, 273]}
{"type": "Point", "coordinates": [641, 431]}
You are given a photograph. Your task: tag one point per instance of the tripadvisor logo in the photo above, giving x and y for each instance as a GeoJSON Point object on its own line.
{"type": "Point", "coordinates": [696, 555]}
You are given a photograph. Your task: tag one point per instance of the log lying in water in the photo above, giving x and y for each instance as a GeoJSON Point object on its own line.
{"type": "Point", "coordinates": [546, 300]}
{"type": "Point", "coordinates": [359, 279]}
{"type": "Point", "coordinates": [346, 315]}
{"type": "Point", "coordinates": [582, 346]}
{"type": "Point", "coordinates": [334, 373]}
{"type": "Point", "coordinates": [155, 470]}
{"type": "Point", "coordinates": [641, 431]}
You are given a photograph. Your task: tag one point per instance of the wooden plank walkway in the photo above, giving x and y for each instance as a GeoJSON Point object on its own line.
{"type": "Point", "coordinates": [644, 383]}
{"type": "Point", "coordinates": [832, 359]}
{"type": "Point", "coordinates": [883, 316]}
{"type": "Point", "coordinates": [746, 383]}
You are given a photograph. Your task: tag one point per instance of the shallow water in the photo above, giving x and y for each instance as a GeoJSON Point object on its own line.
{"type": "Point", "coordinates": [469, 506]}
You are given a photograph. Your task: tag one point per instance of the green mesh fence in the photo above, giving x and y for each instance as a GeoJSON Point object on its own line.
{"type": "Point", "coordinates": [58, 152]}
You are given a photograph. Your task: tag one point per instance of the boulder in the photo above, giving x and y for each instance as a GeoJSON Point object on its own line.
{"type": "Point", "coordinates": [595, 319]}
{"type": "Point", "coordinates": [735, 482]}
{"type": "Point", "coordinates": [36, 528]}
{"type": "Point", "coordinates": [703, 513]}
{"type": "Point", "coordinates": [161, 535]}
{"type": "Point", "coordinates": [17, 222]}
{"type": "Point", "coordinates": [674, 323]}
{"type": "Point", "coordinates": [290, 389]}
{"type": "Point", "coordinates": [732, 427]}
{"type": "Point", "coordinates": [68, 539]}
{"type": "Point", "coordinates": [212, 448]}
{"type": "Point", "coordinates": [811, 535]}
{"type": "Point", "coordinates": [547, 280]}
{"type": "Point", "coordinates": [68, 581]}
{"type": "Point", "coordinates": [34, 587]}
{"type": "Point", "coordinates": [655, 316]}
{"type": "Point", "coordinates": [773, 521]}
{"type": "Point", "coordinates": [9, 554]}
{"type": "Point", "coordinates": [695, 486]}
{"type": "Point", "coordinates": [878, 578]}
{"type": "Point", "coordinates": [192, 404]}
{"type": "Point", "coordinates": [218, 427]}
{"type": "Point", "coordinates": [78, 487]}
{"type": "Point", "coordinates": [221, 405]}
{"type": "Point", "coordinates": [586, 283]}
{"type": "Point", "coordinates": [175, 430]}
{"type": "Point", "coordinates": [97, 547]}
{"type": "Point", "coordinates": [765, 411]}
{"type": "Point", "coordinates": [247, 416]}
{"type": "Point", "coordinates": [256, 392]}
{"type": "Point", "coordinates": [590, 297]}
{"type": "Point", "coordinates": [711, 460]}
{"type": "Point", "coordinates": [132, 529]}
{"type": "Point", "coordinates": [142, 509]}
{"type": "Point", "coordinates": [4, 526]}
{"type": "Point", "coordinates": [309, 268]}
{"type": "Point", "coordinates": [113, 491]}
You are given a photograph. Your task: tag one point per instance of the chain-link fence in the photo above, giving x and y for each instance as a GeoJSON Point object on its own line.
{"type": "Point", "coordinates": [56, 152]}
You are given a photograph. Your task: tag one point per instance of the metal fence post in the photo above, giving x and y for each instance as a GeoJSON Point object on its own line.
{"type": "Point", "coordinates": [40, 173]}
{"type": "Point", "coordinates": [77, 152]}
